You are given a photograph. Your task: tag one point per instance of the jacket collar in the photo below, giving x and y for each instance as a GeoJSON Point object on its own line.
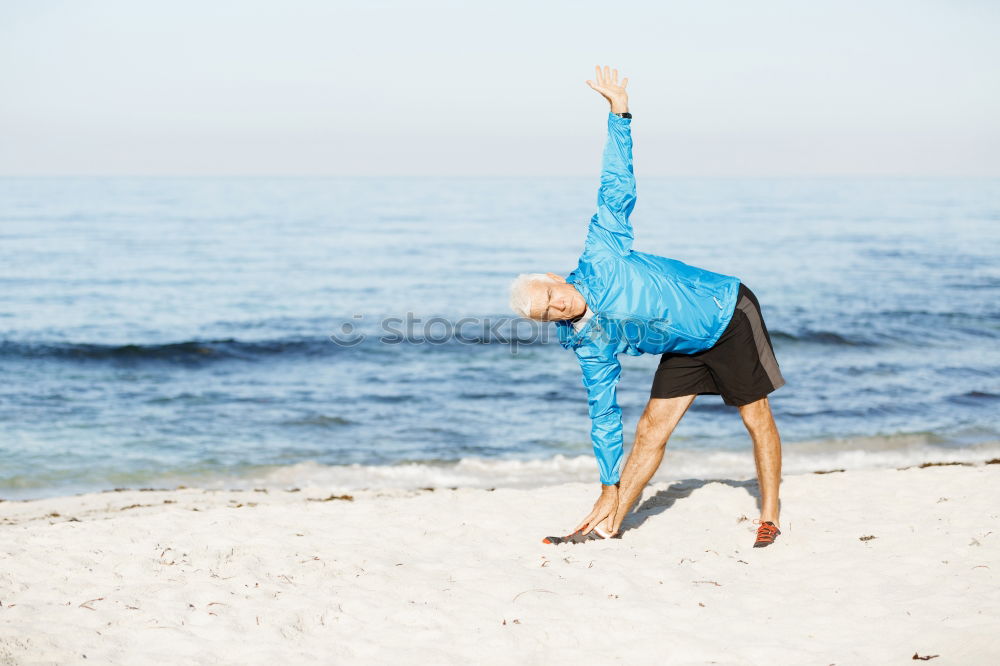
{"type": "Point", "coordinates": [569, 337]}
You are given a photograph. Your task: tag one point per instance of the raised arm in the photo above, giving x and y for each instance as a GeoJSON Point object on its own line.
{"type": "Point", "coordinates": [610, 227]}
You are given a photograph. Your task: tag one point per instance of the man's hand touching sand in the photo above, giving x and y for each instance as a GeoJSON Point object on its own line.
{"type": "Point", "coordinates": [602, 514]}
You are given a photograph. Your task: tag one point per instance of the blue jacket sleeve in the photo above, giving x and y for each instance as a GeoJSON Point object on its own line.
{"type": "Point", "coordinates": [601, 372]}
{"type": "Point", "coordinates": [610, 228]}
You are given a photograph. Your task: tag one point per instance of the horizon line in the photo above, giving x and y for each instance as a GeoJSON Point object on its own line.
{"type": "Point", "coordinates": [420, 176]}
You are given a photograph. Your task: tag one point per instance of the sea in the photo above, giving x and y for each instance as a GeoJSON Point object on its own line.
{"type": "Point", "coordinates": [354, 333]}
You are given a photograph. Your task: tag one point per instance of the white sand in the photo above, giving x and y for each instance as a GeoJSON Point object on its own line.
{"type": "Point", "coordinates": [460, 577]}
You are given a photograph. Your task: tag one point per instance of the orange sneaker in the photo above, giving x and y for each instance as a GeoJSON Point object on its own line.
{"type": "Point", "coordinates": [766, 534]}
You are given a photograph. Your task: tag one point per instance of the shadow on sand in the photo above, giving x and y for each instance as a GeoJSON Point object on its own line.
{"type": "Point", "coordinates": [664, 499]}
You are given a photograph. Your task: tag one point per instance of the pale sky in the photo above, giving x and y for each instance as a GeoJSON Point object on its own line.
{"type": "Point", "coordinates": [383, 87]}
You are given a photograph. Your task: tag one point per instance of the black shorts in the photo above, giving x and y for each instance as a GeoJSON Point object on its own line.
{"type": "Point", "coordinates": [741, 367]}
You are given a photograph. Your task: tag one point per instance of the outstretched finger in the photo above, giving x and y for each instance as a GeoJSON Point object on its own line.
{"type": "Point", "coordinates": [624, 82]}
{"type": "Point", "coordinates": [584, 523]}
{"type": "Point", "coordinates": [600, 74]}
{"type": "Point", "coordinates": [598, 519]}
{"type": "Point", "coordinates": [614, 76]}
{"type": "Point", "coordinates": [607, 74]}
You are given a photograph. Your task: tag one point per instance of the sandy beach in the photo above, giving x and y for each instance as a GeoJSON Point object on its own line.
{"type": "Point", "coordinates": [872, 567]}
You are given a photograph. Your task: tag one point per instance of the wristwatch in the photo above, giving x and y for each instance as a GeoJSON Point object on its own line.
{"type": "Point", "coordinates": [624, 115]}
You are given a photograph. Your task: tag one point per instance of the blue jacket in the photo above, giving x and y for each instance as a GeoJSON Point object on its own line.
{"type": "Point", "coordinates": [642, 303]}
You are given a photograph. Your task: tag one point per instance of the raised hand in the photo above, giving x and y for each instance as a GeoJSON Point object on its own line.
{"type": "Point", "coordinates": [607, 84]}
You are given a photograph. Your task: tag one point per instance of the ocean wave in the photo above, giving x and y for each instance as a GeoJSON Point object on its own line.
{"type": "Point", "coordinates": [892, 328]}
{"type": "Point", "coordinates": [320, 420]}
{"type": "Point", "coordinates": [440, 333]}
{"type": "Point", "coordinates": [822, 338]}
{"type": "Point", "coordinates": [861, 453]}
{"type": "Point", "coordinates": [189, 350]}
{"type": "Point", "coordinates": [206, 351]}
{"type": "Point", "coordinates": [974, 398]}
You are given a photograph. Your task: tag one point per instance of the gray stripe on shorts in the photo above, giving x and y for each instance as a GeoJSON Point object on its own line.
{"type": "Point", "coordinates": [764, 352]}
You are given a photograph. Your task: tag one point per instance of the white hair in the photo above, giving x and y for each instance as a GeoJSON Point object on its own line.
{"type": "Point", "coordinates": [521, 290]}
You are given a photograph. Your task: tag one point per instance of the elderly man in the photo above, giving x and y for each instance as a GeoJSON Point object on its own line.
{"type": "Point", "coordinates": [706, 326]}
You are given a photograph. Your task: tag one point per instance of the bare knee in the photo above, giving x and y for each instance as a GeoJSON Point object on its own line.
{"type": "Point", "coordinates": [659, 419]}
{"type": "Point", "coordinates": [646, 430]}
{"type": "Point", "coordinates": [757, 415]}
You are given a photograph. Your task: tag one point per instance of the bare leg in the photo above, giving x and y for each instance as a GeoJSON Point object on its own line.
{"type": "Point", "coordinates": [656, 424]}
{"type": "Point", "coordinates": [767, 455]}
